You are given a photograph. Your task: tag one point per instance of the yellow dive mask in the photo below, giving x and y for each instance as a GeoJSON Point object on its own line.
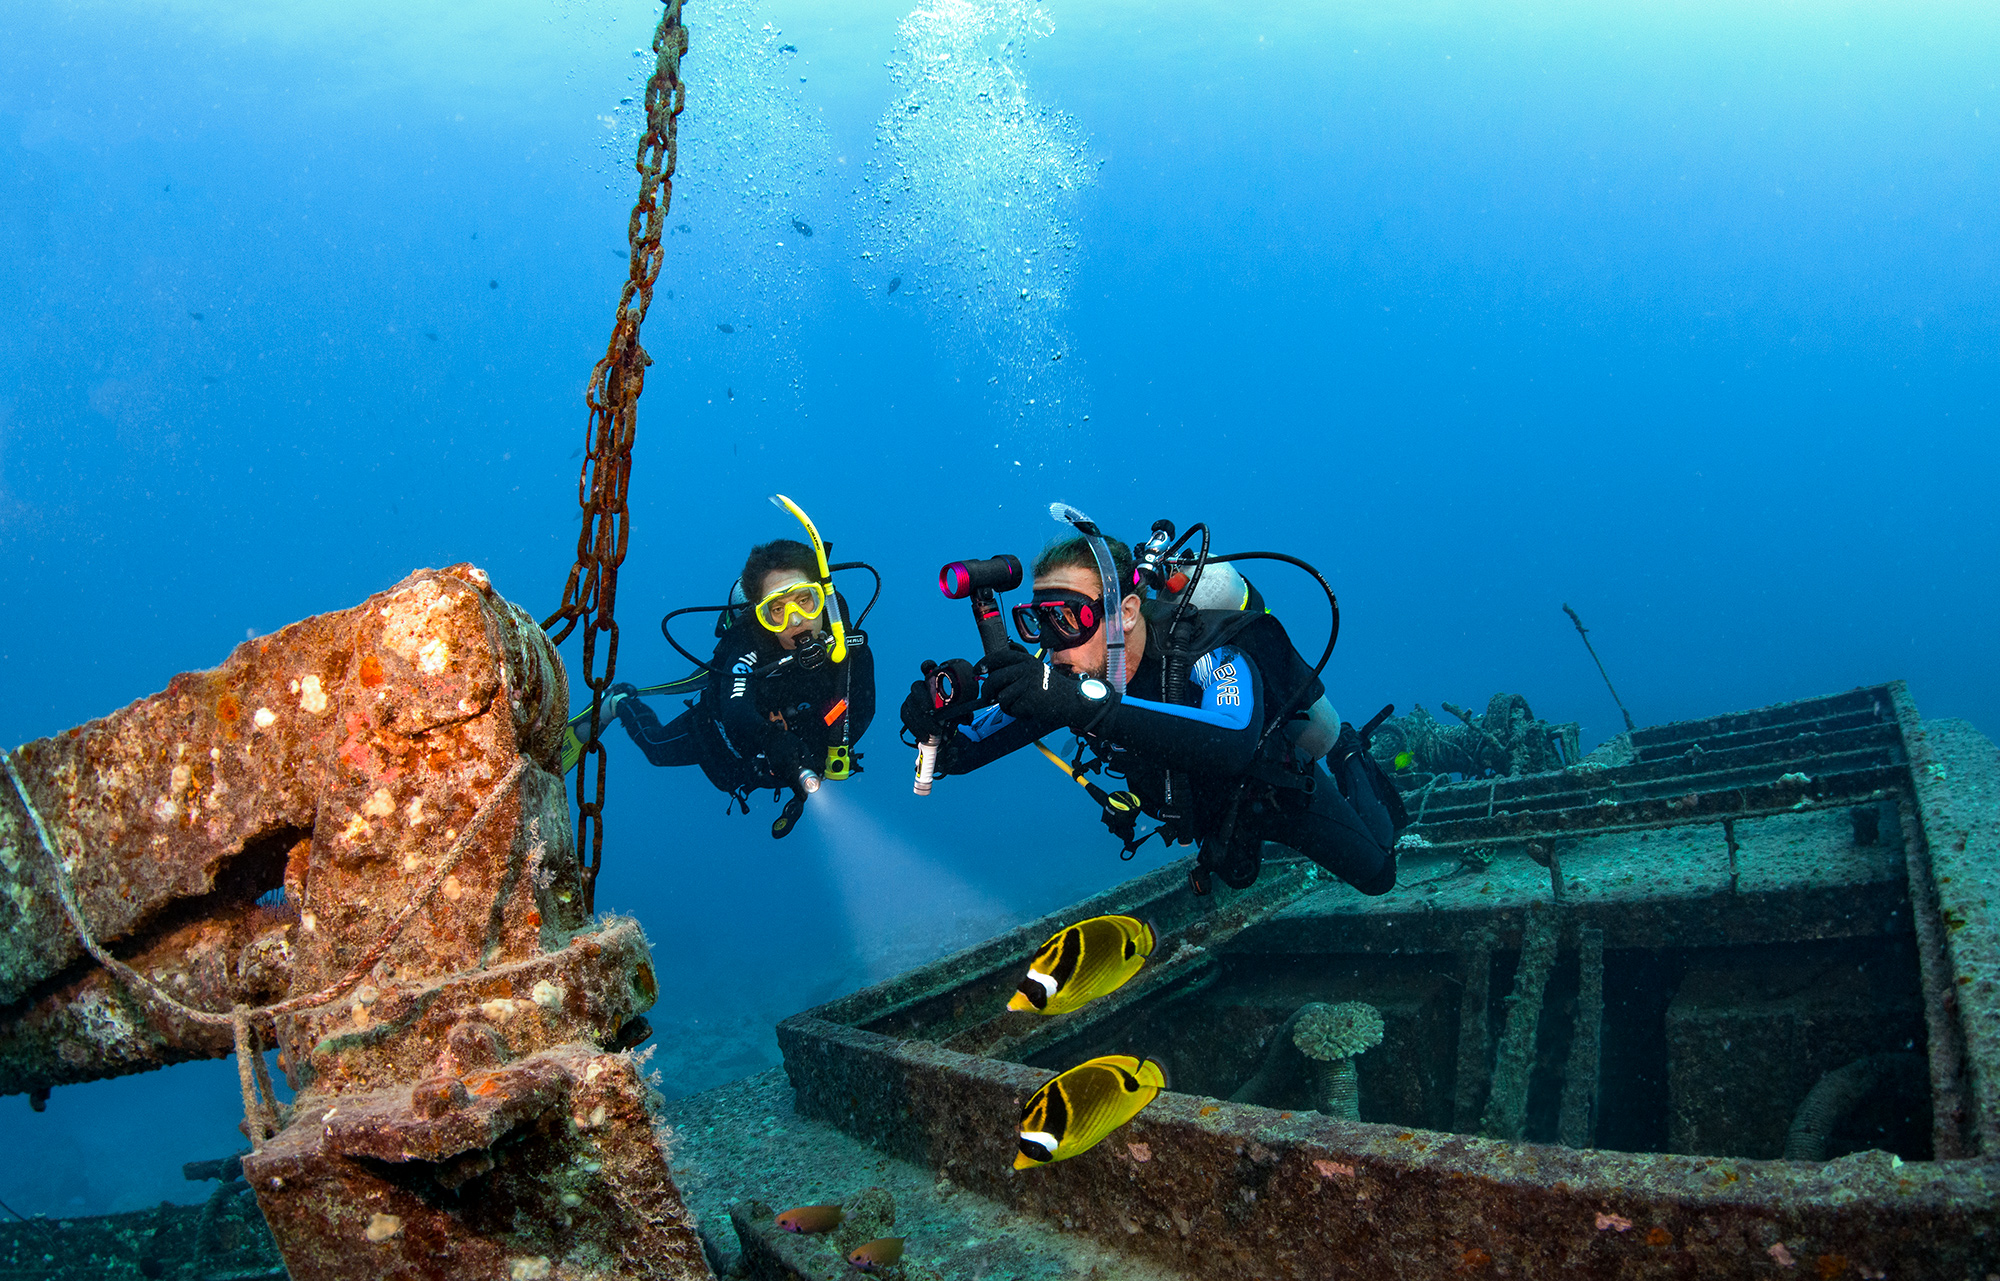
{"type": "Point", "coordinates": [837, 651]}
{"type": "Point", "coordinates": [804, 601]}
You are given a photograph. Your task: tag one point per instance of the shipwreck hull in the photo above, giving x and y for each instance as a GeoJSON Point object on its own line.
{"type": "Point", "coordinates": [1609, 993]}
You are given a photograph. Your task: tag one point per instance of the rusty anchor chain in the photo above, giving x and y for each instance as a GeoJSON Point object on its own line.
{"type": "Point", "coordinates": [590, 596]}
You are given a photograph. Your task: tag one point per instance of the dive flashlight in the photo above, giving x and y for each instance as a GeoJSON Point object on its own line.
{"type": "Point", "coordinates": [954, 693]}
{"type": "Point", "coordinates": [961, 578]}
{"type": "Point", "coordinates": [980, 581]}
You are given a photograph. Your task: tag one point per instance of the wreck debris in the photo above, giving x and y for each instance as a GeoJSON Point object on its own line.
{"type": "Point", "coordinates": [442, 1000]}
{"type": "Point", "coordinates": [1838, 1093]}
{"type": "Point", "coordinates": [1506, 740]}
{"type": "Point", "coordinates": [1258, 1088]}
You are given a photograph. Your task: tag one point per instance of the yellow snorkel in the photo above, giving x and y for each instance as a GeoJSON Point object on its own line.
{"type": "Point", "coordinates": [838, 650]}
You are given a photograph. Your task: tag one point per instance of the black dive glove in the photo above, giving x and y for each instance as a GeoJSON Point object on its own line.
{"type": "Point", "coordinates": [1031, 690]}
{"type": "Point", "coordinates": [786, 757]}
{"type": "Point", "coordinates": [920, 718]}
{"type": "Point", "coordinates": [619, 695]}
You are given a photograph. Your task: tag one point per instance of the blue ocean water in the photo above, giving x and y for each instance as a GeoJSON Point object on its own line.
{"type": "Point", "coordinates": [1681, 314]}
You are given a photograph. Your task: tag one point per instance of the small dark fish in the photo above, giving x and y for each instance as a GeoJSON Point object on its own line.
{"type": "Point", "coordinates": [195, 314]}
{"type": "Point", "coordinates": [670, 293]}
{"type": "Point", "coordinates": [621, 253]}
{"type": "Point", "coordinates": [475, 235]}
{"type": "Point", "coordinates": [811, 1218]}
{"type": "Point", "coordinates": [683, 229]}
{"type": "Point", "coordinates": [168, 187]}
{"type": "Point", "coordinates": [576, 453]}
{"type": "Point", "coordinates": [492, 284]}
{"type": "Point", "coordinates": [895, 283]}
{"type": "Point", "coordinates": [727, 329]}
{"type": "Point", "coordinates": [732, 392]}
{"type": "Point", "coordinates": [630, 1035]}
{"type": "Point", "coordinates": [879, 1253]}
{"type": "Point", "coordinates": [788, 48]}
{"type": "Point", "coordinates": [431, 334]}
{"type": "Point", "coordinates": [209, 380]}
{"type": "Point", "coordinates": [802, 227]}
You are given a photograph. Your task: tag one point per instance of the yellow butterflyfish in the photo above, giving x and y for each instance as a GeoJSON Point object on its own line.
{"type": "Point", "coordinates": [1072, 1113]}
{"type": "Point", "coordinates": [1082, 962]}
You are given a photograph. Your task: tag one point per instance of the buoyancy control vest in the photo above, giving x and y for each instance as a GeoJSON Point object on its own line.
{"type": "Point", "coordinates": [1188, 808]}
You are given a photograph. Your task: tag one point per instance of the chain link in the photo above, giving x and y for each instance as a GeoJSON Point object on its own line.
{"type": "Point", "coordinates": [591, 595]}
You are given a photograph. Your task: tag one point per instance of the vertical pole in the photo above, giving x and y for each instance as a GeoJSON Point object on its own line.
{"type": "Point", "coordinates": [1577, 1127]}
{"type": "Point", "coordinates": [1507, 1106]}
{"type": "Point", "coordinates": [1475, 1036]}
{"type": "Point", "coordinates": [1584, 632]}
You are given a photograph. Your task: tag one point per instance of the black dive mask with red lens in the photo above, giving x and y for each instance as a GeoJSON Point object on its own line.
{"type": "Point", "coordinates": [1057, 619]}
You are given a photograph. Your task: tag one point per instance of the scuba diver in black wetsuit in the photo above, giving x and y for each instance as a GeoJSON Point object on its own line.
{"type": "Point", "coordinates": [1220, 733]}
{"type": "Point", "coordinates": [789, 691]}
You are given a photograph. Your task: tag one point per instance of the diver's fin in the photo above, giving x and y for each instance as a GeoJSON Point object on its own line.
{"type": "Point", "coordinates": [788, 817]}
{"type": "Point", "coordinates": [572, 743]}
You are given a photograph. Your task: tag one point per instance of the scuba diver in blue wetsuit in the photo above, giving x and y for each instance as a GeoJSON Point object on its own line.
{"type": "Point", "coordinates": [788, 692]}
{"type": "Point", "coordinates": [1222, 732]}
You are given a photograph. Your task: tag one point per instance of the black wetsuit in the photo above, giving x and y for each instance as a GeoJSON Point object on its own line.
{"type": "Point", "coordinates": [729, 732]}
{"type": "Point", "coordinates": [1210, 734]}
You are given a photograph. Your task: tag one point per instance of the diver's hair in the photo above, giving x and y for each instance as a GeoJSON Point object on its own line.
{"type": "Point", "coordinates": [779, 553]}
{"type": "Point", "coordinates": [1072, 551]}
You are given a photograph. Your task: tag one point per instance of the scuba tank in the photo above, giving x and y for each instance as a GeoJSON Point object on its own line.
{"type": "Point", "coordinates": [1314, 730]}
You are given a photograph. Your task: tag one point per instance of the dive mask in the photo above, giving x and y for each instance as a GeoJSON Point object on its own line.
{"type": "Point", "coordinates": [805, 601]}
{"type": "Point", "coordinates": [1058, 619]}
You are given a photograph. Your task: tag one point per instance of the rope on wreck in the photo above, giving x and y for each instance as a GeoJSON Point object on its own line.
{"type": "Point", "coordinates": [260, 1100]}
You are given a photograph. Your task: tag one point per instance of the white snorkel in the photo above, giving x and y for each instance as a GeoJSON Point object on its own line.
{"type": "Point", "coordinates": [1114, 591]}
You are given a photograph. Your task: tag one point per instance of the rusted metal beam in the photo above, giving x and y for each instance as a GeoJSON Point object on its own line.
{"type": "Point", "coordinates": [1950, 843]}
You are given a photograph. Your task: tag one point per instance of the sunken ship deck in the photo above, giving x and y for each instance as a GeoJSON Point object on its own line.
{"type": "Point", "coordinates": [1615, 997]}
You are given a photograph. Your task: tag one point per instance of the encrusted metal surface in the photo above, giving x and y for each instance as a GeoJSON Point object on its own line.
{"type": "Point", "coordinates": [456, 1108]}
{"type": "Point", "coordinates": [1957, 777]}
{"type": "Point", "coordinates": [542, 1167]}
